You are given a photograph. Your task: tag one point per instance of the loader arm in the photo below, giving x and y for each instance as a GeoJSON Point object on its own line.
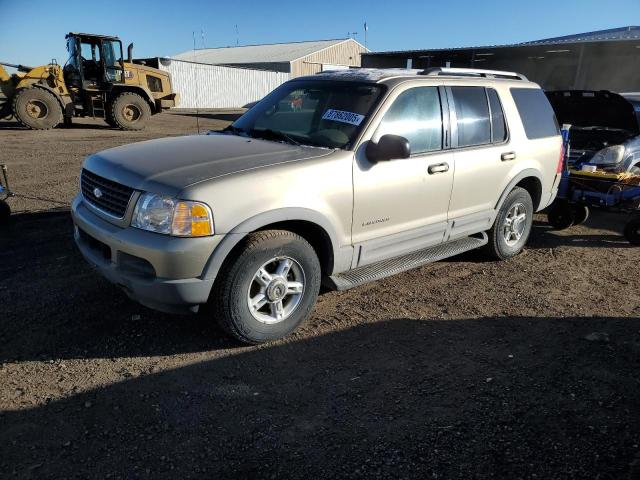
{"type": "Point", "coordinates": [4, 75]}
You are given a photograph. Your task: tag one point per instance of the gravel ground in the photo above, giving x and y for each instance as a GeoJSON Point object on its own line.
{"type": "Point", "coordinates": [526, 369]}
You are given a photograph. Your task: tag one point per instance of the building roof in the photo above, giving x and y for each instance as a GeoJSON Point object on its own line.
{"type": "Point", "coordinates": [270, 53]}
{"type": "Point", "coordinates": [611, 35]}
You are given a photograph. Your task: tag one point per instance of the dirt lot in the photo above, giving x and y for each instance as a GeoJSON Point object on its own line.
{"type": "Point", "coordinates": [461, 369]}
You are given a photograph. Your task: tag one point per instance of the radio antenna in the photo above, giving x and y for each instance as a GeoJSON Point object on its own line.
{"type": "Point", "coordinates": [195, 83]}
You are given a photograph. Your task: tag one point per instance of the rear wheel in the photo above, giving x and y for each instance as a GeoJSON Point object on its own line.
{"type": "Point", "coordinates": [632, 231]}
{"type": "Point", "coordinates": [36, 108]}
{"type": "Point", "coordinates": [268, 288]}
{"type": "Point", "coordinates": [512, 226]}
{"type": "Point", "coordinates": [129, 111]}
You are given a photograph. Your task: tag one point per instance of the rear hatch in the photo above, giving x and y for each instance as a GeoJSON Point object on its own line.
{"type": "Point", "coordinates": [583, 108]}
{"type": "Point", "coordinates": [598, 119]}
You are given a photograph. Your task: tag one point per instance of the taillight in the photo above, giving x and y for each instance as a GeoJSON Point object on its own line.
{"type": "Point", "coordinates": [560, 167]}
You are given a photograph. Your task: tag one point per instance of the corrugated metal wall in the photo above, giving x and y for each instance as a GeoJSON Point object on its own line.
{"type": "Point", "coordinates": [213, 86]}
{"type": "Point", "coordinates": [344, 53]}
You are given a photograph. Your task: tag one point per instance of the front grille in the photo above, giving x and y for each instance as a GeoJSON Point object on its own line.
{"type": "Point", "coordinates": [114, 197]}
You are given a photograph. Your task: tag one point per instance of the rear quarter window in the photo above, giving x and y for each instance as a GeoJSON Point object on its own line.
{"type": "Point", "coordinates": [537, 116]}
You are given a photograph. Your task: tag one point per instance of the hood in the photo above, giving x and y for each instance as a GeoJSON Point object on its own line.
{"type": "Point", "coordinates": [168, 165]}
{"type": "Point", "coordinates": [585, 108]}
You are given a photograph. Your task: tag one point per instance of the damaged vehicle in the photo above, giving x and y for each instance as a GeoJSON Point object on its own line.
{"type": "Point", "coordinates": [605, 128]}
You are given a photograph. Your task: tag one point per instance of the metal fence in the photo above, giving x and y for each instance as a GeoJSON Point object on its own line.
{"type": "Point", "coordinates": [212, 86]}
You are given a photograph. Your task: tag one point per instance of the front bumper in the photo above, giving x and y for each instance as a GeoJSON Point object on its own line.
{"type": "Point", "coordinates": [158, 271]}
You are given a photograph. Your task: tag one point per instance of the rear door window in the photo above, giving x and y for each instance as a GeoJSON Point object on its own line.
{"type": "Point", "coordinates": [498, 124]}
{"type": "Point", "coordinates": [416, 115]}
{"type": "Point", "coordinates": [537, 116]}
{"type": "Point", "coordinates": [472, 112]}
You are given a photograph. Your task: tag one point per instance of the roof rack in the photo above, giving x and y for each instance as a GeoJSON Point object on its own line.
{"type": "Point", "coordinates": [471, 72]}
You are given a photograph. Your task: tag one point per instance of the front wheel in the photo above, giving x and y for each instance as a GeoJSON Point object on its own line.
{"type": "Point", "coordinates": [269, 288]}
{"type": "Point", "coordinates": [561, 215]}
{"type": "Point", "coordinates": [632, 231]}
{"type": "Point", "coordinates": [512, 226]}
{"type": "Point", "coordinates": [37, 108]}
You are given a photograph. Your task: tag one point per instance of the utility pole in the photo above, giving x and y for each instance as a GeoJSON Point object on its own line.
{"type": "Point", "coordinates": [237, 36]}
{"type": "Point", "coordinates": [366, 29]}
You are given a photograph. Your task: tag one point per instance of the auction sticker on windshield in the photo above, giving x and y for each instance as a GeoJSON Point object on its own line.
{"type": "Point", "coordinates": [342, 116]}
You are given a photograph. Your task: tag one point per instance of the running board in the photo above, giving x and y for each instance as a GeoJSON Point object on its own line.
{"type": "Point", "coordinates": [386, 268]}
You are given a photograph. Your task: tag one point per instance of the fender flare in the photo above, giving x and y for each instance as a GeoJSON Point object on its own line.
{"type": "Point", "coordinates": [238, 233]}
{"type": "Point", "coordinates": [529, 172]}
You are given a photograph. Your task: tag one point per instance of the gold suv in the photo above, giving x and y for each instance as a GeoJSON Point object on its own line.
{"type": "Point", "coordinates": [338, 179]}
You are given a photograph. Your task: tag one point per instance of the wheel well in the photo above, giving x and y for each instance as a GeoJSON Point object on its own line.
{"type": "Point", "coordinates": [312, 233]}
{"type": "Point", "coordinates": [534, 187]}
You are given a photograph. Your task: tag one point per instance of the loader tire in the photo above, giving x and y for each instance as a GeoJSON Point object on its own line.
{"type": "Point", "coordinates": [129, 111]}
{"type": "Point", "coordinates": [36, 108]}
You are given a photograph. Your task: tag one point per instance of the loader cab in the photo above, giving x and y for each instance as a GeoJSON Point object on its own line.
{"type": "Point", "coordinates": [95, 61]}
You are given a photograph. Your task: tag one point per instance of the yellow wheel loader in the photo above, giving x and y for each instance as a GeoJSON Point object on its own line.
{"type": "Point", "coordinates": [95, 82]}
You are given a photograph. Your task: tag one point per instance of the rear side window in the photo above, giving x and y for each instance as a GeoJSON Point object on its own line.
{"type": "Point", "coordinates": [498, 124]}
{"type": "Point", "coordinates": [537, 116]}
{"type": "Point", "coordinates": [416, 115]}
{"type": "Point", "coordinates": [472, 112]}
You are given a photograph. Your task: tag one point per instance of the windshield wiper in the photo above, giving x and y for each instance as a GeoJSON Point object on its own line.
{"type": "Point", "coordinates": [235, 130]}
{"type": "Point", "coordinates": [268, 134]}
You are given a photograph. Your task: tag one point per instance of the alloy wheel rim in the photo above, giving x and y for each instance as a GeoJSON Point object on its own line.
{"type": "Point", "coordinates": [514, 224]}
{"type": "Point", "coordinates": [276, 290]}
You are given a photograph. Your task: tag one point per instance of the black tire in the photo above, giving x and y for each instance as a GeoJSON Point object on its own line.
{"type": "Point", "coordinates": [498, 246]}
{"type": "Point", "coordinates": [129, 111]}
{"type": "Point", "coordinates": [109, 119]}
{"type": "Point", "coordinates": [229, 299]}
{"type": "Point", "coordinates": [36, 108]}
{"type": "Point", "coordinates": [5, 212]}
{"type": "Point", "coordinates": [560, 215]}
{"type": "Point", "coordinates": [632, 231]}
{"type": "Point", "coordinates": [580, 214]}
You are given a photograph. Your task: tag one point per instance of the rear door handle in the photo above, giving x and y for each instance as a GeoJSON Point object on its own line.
{"type": "Point", "coordinates": [438, 168]}
{"type": "Point", "coordinates": [505, 157]}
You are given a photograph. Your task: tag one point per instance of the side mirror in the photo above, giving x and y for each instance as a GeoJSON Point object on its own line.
{"type": "Point", "coordinates": [389, 147]}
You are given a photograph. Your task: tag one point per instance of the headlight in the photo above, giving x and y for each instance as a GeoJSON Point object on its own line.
{"type": "Point", "coordinates": [608, 156]}
{"type": "Point", "coordinates": [171, 216]}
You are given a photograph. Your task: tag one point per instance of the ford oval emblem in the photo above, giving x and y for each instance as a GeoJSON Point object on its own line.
{"type": "Point", "coordinates": [97, 192]}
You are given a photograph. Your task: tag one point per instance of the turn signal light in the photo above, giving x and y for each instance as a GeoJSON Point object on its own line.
{"type": "Point", "coordinates": [192, 219]}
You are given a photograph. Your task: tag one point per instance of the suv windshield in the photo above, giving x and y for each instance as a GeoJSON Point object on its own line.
{"type": "Point", "coordinates": [319, 113]}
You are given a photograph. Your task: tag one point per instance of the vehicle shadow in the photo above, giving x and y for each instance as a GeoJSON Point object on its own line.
{"type": "Point", "coordinates": [602, 230]}
{"type": "Point", "coordinates": [54, 306]}
{"type": "Point", "coordinates": [14, 125]}
{"type": "Point", "coordinates": [508, 397]}
{"type": "Point", "coordinates": [11, 125]}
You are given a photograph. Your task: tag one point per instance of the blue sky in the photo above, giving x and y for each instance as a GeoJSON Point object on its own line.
{"type": "Point", "coordinates": [32, 32]}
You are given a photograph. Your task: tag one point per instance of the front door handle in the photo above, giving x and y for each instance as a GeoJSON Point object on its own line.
{"type": "Point", "coordinates": [438, 168]}
{"type": "Point", "coordinates": [507, 156]}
